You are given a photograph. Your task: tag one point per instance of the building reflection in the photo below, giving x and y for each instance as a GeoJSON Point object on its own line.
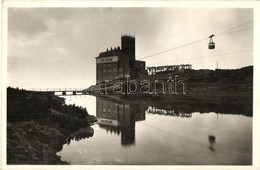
{"type": "Point", "coordinates": [169, 112]}
{"type": "Point", "coordinates": [119, 118]}
{"type": "Point", "coordinates": [212, 142]}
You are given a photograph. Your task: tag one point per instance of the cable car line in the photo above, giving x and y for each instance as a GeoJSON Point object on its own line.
{"type": "Point", "coordinates": [235, 31]}
{"type": "Point", "coordinates": [174, 48]}
{"type": "Point", "coordinates": [211, 45]}
{"type": "Point", "coordinates": [218, 34]}
{"type": "Point", "coordinates": [234, 28]}
{"type": "Point", "coordinates": [223, 54]}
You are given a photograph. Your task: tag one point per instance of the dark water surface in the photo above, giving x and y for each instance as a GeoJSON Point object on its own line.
{"type": "Point", "coordinates": [141, 134]}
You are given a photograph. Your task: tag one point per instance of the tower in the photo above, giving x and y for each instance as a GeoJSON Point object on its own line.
{"type": "Point", "coordinates": [128, 46]}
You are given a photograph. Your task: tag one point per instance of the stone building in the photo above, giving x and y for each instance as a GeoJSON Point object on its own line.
{"type": "Point", "coordinates": [119, 63]}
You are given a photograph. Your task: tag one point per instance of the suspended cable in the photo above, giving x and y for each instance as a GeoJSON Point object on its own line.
{"type": "Point", "coordinates": [223, 54]}
{"type": "Point", "coordinates": [235, 31]}
{"type": "Point", "coordinates": [174, 48]}
{"type": "Point", "coordinates": [234, 27]}
{"type": "Point", "coordinates": [218, 34]}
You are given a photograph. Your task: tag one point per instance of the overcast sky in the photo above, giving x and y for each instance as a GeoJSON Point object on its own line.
{"type": "Point", "coordinates": [56, 47]}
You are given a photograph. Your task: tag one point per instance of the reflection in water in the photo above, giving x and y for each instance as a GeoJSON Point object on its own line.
{"type": "Point", "coordinates": [212, 142]}
{"type": "Point", "coordinates": [166, 137]}
{"type": "Point", "coordinates": [170, 112]}
{"type": "Point", "coordinates": [172, 134]}
{"type": "Point", "coordinates": [80, 134]}
{"type": "Point", "coordinates": [119, 118]}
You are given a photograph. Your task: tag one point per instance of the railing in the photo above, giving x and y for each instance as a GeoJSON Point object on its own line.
{"type": "Point", "coordinates": [54, 89]}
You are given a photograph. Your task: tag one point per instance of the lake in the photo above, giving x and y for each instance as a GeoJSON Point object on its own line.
{"type": "Point", "coordinates": [138, 133]}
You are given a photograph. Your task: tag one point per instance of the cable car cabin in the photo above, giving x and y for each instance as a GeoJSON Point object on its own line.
{"type": "Point", "coordinates": [211, 43]}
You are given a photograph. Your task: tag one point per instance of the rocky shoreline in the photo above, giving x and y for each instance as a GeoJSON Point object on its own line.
{"type": "Point", "coordinates": [39, 125]}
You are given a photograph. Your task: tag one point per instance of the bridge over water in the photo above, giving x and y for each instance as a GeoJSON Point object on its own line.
{"type": "Point", "coordinates": [59, 91]}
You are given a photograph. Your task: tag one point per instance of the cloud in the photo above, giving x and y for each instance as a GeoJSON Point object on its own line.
{"type": "Point", "coordinates": [21, 22]}
{"type": "Point", "coordinates": [31, 22]}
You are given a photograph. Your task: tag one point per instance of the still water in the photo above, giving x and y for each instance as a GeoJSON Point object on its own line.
{"type": "Point", "coordinates": [141, 134]}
